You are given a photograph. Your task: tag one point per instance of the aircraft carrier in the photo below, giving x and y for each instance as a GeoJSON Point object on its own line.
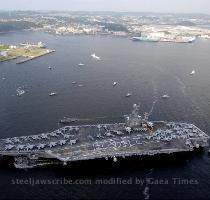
{"type": "Point", "coordinates": [136, 136]}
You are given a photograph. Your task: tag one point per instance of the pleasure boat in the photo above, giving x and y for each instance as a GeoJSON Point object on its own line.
{"type": "Point", "coordinates": [95, 57]}
{"type": "Point", "coordinates": [67, 120]}
{"type": "Point", "coordinates": [81, 64]}
{"type": "Point", "coordinates": [52, 94]}
{"type": "Point", "coordinates": [20, 92]}
{"type": "Point", "coordinates": [115, 83]}
{"type": "Point", "coordinates": [192, 73]}
{"type": "Point", "coordinates": [165, 96]}
{"type": "Point", "coordinates": [128, 95]}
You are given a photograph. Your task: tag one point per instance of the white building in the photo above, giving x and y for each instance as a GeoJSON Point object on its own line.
{"type": "Point", "coordinates": [3, 53]}
{"type": "Point", "coordinates": [157, 34]}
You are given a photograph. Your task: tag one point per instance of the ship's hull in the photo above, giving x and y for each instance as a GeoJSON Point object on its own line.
{"type": "Point", "coordinates": [145, 39]}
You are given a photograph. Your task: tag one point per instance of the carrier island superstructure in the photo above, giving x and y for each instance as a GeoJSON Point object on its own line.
{"type": "Point", "coordinates": [136, 136]}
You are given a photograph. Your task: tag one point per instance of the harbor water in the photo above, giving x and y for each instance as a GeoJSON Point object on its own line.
{"type": "Point", "coordinates": [147, 71]}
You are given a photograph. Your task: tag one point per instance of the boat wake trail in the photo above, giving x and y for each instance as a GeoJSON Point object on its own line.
{"type": "Point", "coordinates": [155, 98]}
{"type": "Point", "coordinates": [183, 86]}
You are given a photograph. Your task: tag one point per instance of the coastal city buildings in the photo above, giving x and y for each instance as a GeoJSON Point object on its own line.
{"type": "Point", "coordinates": [141, 26]}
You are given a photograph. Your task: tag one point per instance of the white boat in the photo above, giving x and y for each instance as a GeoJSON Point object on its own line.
{"type": "Point", "coordinates": [95, 57]}
{"type": "Point", "coordinates": [115, 83]}
{"type": "Point", "coordinates": [165, 96]}
{"type": "Point", "coordinates": [67, 120]}
{"type": "Point", "coordinates": [81, 64]}
{"type": "Point", "coordinates": [74, 82]}
{"type": "Point", "coordinates": [80, 85]}
{"type": "Point", "coordinates": [128, 95]}
{"type": "Point", "coordinates": [20, 92]}
{"type": "Point", "coordinates": [192, 73]}
{"type": "Point", "coordinates": [50, 67]}
{"type": "Point", "coordinates": [52, 94]}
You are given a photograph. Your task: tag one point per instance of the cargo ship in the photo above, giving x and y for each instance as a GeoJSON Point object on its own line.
{"type": "Point", "coordinates": [145, 39]}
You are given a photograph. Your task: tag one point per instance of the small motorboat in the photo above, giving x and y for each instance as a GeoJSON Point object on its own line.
{"type": "Point", "coordinates": [95, 57]}
{"type": "Point", "coordinates": [114, 84]}
{"type": "Point", "coordinates": [67, 120]}
{"type": "Point", "coordinates": [50, 67]}
{"type": "Point", "coordinates": [20, 92]}
{"type": "Point", "coordinates": [80, 85]}
{"type": "Point", "coordinates": [165, 96]}
{"type": "Point", "coordinates": [52, 94]}
{"type": "Point", "coordinates": [74, 82]}
{"type": "Point", "coordinates": [81, 64]}
{"type": "Point", "coordinates": [128, 95]}
{"type": "Point", "coordinates": [192, 73]}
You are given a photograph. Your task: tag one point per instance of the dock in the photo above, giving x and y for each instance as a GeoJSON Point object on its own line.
{"type": "Point", "coordinates": [32, 58]}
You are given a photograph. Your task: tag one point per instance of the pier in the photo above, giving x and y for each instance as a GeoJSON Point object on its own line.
{"type": "Point", "coordinates": [34, 57]}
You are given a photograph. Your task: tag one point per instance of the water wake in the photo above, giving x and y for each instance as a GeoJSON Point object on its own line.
{"type": "Point", "coordinates": [183, 86]}
{"type": "Point", "coordinates": [155, 98]}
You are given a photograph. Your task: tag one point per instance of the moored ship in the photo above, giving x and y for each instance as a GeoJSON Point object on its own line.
{"type": "Point", "coordinates": [145, 39]}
